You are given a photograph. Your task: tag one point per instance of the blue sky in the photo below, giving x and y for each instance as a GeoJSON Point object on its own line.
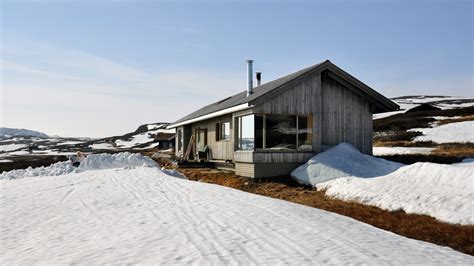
{"type": "Point", "coordinates": [98, 68]}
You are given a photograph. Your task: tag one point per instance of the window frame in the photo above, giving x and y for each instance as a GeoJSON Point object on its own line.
{"type": "Point", "coordinates": [238, 125]}
{"type": "Point", "coordinates": [220, 131]}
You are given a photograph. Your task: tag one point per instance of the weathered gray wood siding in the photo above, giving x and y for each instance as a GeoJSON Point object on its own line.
{"type": "Point", "coordinates": [272, 157]}
{"type": "Point", "coordinates": [302, 97]}
{"type": "Point", "coordinates": [264, 169]}
{"type": "Point", "coordinates": [339, 114]}
{"type": "Point", "coordinates": [220, 150]}
{"type": "Point", "coordinates": [346, 117]}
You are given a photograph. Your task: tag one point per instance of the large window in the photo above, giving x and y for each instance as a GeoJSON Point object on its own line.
{"type": "Point", "coordinates": [275, 132]}
{"type": "Point", "coordinates": [223, 131]}
{"type": "Point", "coordinates": [246, 140]}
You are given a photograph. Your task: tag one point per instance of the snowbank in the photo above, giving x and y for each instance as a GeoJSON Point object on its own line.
{"type": "Point", "coordinates": [92, 162]}
{"type": "Point", "coordinates": [339, 161]}
{"type": "Point", "coordinates": [445, 192]}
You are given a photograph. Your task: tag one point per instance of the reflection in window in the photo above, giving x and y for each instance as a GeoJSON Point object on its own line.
{"type": "Point", "coordinates": [223, 131]}
{"type": "Point", "coordinates": [280, 132]}
{"type": "Point", "coordinates": [305, 133]}
{"type": "Point", "coordinates": [275, 132]}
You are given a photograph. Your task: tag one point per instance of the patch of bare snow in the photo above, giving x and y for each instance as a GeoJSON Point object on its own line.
{"type": "Point", "coordinates": [380, 151]}
{"type": "Point", "coordinates": [461, 132]}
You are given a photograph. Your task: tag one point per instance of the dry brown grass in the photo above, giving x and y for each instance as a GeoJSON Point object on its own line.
{"type": "Point", "coordinates": [405, 143]}
{"type": "Point", "coordinates": [455, 150]}
{"type": "Point", "coordinates": [456, 120]}
{"type": "Point", "coordinates": [420, 227]}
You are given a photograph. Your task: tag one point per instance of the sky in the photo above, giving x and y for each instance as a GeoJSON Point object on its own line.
{"type": "Point", "coordinates": [102, 68]}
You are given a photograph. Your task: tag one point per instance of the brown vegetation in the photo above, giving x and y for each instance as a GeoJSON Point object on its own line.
{"type": "Point", "coordinates": [23, 162]}
{"type": "Point", "coordinates": [455, 150]}
{"type": "Point", "coordinates": [414, 226]}
{"type": "Point", "coordinates": [456, 120]}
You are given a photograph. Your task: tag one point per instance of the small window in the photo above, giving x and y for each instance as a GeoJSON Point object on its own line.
{"type": "Point", "coordinates": [223, 131]}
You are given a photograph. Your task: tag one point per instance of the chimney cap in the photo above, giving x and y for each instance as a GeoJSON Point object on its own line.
{"type": "Point", "coordinates": [249, 60]}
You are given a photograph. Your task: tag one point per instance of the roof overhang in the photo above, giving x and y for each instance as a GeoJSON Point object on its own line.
{"type": "Point", "coordinates": [211, 115]}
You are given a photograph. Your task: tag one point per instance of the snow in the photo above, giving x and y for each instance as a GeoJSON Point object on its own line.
{"type": "Point", "coordinates": [386, 114]}
{"type": "Point", "coordinates": [71, 142]}
{"type": "Point", "coordinates": [102, 146]}
{"type": "Point", "coordinates": [342, 160]}
{"type": "Point", "coordinates": [91, 162]}
{"type": "Point", "coordinates": [136, 140]}
{"type": "Point", "coordinates": [444, 192]}
{"type": "Point", "coordinates": [380, 151]}
{"type": "Point", "coordinates": [454, 132]}
{"type": "Point", "coordinates": [144, 216]}
{"type": "Point", "coordinates": [5, 161]}
{"type": "Point", "coordinates": [11, 147]}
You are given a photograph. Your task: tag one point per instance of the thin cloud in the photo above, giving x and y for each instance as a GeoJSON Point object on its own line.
{"type": "Point", "coordinates": [48, 79]}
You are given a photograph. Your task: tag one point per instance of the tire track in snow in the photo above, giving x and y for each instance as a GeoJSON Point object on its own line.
{"type": "Point", "coordinates": [262, 231]}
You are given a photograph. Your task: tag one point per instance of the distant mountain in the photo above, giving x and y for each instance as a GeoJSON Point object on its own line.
{"type": "Point", "coordinates": [443, 102]}
{"type": "Point", "coordinates": [6, 132]}
{"type": "Point", "coordinates": [146, 137]}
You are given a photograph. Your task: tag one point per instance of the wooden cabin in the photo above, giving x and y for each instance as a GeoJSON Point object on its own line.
{"type": "Point", "coordinates": [271, 129]}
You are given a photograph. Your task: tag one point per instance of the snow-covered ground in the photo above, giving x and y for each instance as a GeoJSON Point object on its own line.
{"type": "Point", "coordinates": [143, 215]}
{"type": "Point", "coordinates": [136, 140]}
{"type": "Point", "coordinates": [445, 192]}
{"type": "Point", "coordinates": [380, 151]}
{"type": "Point", "coordinates": [454, 132]}
{"type": "Point", "coordinates": [11, 147]}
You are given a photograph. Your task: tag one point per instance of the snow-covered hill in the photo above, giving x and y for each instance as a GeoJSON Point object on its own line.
{"type": "Point", "coordinates": [427, 122]}
{"type": "Point", "coordinates": [145, 137]}
{"type": "Point", "coordinates": [444, 102]}
{"type": "Point", "coordinates": [142, 215]}
{"type": "Point", "coordinates": [7, 133]}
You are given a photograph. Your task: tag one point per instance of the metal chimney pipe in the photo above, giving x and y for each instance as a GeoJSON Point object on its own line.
{"type": "Point", "coordinates": [259, 78]}
{"type": "Point", "coordinates": [249, 78]}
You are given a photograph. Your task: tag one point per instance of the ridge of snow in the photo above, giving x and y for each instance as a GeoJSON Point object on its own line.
{"type": "Point", "coordinates": [91, 162]}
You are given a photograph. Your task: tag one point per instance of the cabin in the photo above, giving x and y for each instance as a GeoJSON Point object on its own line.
{"type": "Point", "coordinates": [270, 129]}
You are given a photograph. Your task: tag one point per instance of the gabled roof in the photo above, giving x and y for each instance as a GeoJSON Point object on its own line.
{"type": "Point", "coordinates": [241, 99]}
